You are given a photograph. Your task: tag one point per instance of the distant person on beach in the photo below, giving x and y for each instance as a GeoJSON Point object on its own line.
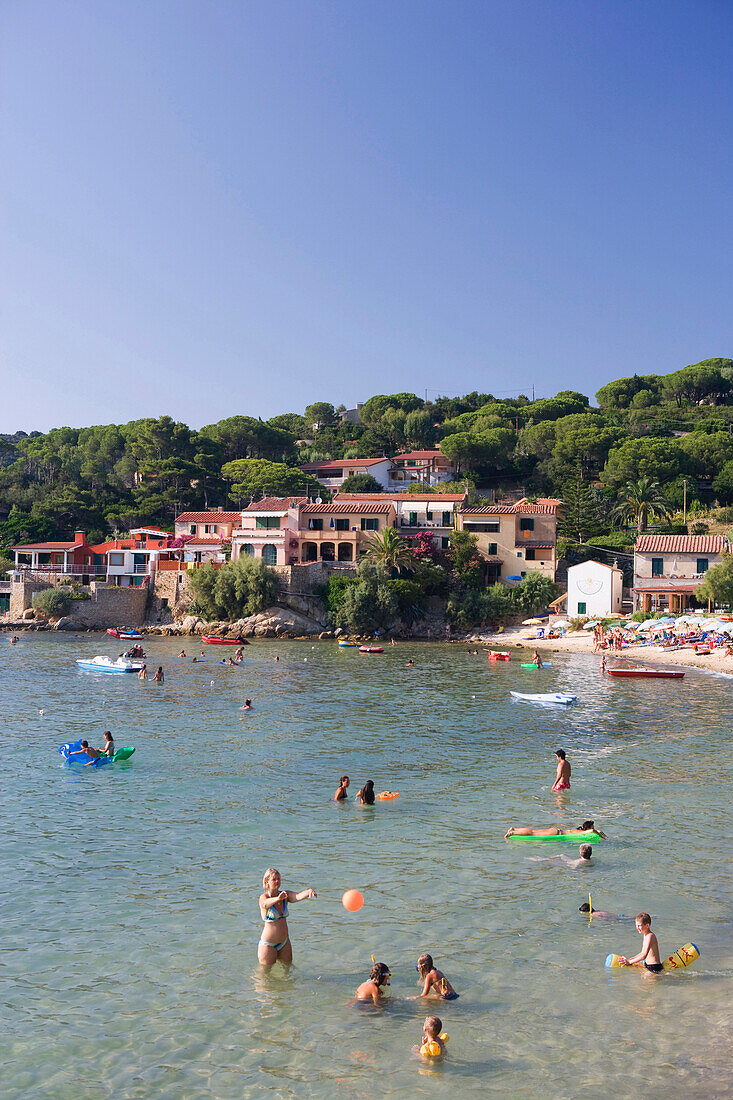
{"type": "Point", "coordinates": [371, 990]}
{"type": "Point", "coordinates": [143, 673]}
{"type": "Point", "coordinates": [649, 954]}
{"type": "Point", "coordinates": [553, 830]}
{"type": "Point", "coordinates": [435, 983]}
{"type": "Point", "coordinates": [159, 678]}
{"type": "Point", "coordinates": [341, 795]}
{"type": "Point", "coordinates": [275, 942]}
{"type": "Point", "coordinates": [366, 795]}
{"type": "Point", "coordinates": [562, 779]}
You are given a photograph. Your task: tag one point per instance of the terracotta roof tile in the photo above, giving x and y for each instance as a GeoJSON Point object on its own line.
{"type": "Point", "coordinates": [274, 504]}
{"type": "Point", "coordinates": [340, 463]}
{"type": "Point", "coordinates": [405, 498]}
{"type": "Point", "coordinates": [425, 456]}
{"type": "Point", "coordinates": [47, 546]}
{"type": "Point", "coordinates": [208, 517]}
{"type": "Point", "coordinates": [336, 509]}
{"type": "Point", "coordinates": [681, 544]}
{"type": "Point", "coordinates": [547, 507]}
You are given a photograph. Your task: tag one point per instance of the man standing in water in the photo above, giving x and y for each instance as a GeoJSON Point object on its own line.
{"type": "Point", "coordinates": [562, 779]}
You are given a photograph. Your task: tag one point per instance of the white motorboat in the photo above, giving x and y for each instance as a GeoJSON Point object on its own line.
{"type": "Point", "coordinates": [546, 697]}
{"type": "Point", "coordinates": [106, 664]}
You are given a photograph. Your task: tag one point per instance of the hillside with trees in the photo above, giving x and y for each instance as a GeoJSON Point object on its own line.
{"type": "Point", "coordinates": [649, 444]}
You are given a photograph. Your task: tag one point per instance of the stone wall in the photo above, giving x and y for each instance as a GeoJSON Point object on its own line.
{"type": "Point", "coordinates": [170, 596]}
{"type": "Point", "coordinates": [105, 607]}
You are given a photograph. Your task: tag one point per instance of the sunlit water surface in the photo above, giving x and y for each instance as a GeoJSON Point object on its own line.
{"type": "Point", "coordinates": [129, 893]}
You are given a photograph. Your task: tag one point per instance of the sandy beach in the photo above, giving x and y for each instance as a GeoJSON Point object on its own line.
{"type": "Point", "coordinates": [581, 641]}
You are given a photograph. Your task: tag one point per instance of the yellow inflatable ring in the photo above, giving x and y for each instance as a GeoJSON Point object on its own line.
{"type": "Point", "coordinates": [388, 794]}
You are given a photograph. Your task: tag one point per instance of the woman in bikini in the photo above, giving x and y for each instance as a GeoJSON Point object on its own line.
{"type": "Point", "coordinates": [552, 830]}
{"type": "Point", "coordinates": [275, 942]}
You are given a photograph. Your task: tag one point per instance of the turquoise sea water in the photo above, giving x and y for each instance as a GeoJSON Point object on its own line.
{"type": "Point", "coordinates": [129, 893]}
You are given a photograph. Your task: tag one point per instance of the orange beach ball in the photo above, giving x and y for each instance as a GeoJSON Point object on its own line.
{"type": "Point", "coordinates": [352, 900]}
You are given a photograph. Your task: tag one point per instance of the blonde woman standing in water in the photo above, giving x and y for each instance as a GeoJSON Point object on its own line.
{"type": "Point", "coordinates": [275, 942]}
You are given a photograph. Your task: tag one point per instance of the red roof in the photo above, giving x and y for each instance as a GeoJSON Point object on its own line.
{"type": "Point", "coordinates": [197, 540]}
{"type": "Point", "coordinates": [405, 498]}
{"type": "Point", "coordinates": [681, 544]}
{"type": "Point", "coordinates": [420, 456]}
{"type": "Point", "coordinates": [48, 546]}
{"type": "Point", "coordinates": [274, 504]}
{"type": "Point", "coordinates": [546, 507]}
{"type": "Point", "coordinates": [336, 509]}
{"type": "Point", "coordinates": [339, 463]}
{"type": "Point", "coordinates": [112, 544]}
{"type": "Point", "coordinates": [208, 517]}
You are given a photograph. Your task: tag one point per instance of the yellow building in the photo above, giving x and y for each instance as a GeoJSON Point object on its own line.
{"type": "Point", "coordinates": [514, 538]}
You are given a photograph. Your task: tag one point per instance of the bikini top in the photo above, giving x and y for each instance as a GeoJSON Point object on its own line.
{"type": "Point", "coordinates": [272, 914]}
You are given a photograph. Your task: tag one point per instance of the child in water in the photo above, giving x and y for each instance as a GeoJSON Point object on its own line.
{"type": "Point", "coordinates": [433, 1038]}
{"type": "Point", "coordinates": [649, 954]}
{"type": "Point", "coordinates": [370, 990]}
{"type": "Point", "coordinates": [435, 983]}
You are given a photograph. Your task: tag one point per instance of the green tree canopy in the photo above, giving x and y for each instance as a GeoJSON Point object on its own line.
{"type": "Point", "coordinates": [656, 459]}
{"type": "Point", "coordinates": [239, 588]}
{"type": "Point", "coordinates": [256, 477]}
{"type": "Point", "coordinates": [718, 584]}
{"type": "Point", "coordinates": [321, 414]}
{"type": "Point", "coordinates": [361, 483]}
{"type": "Point", "coordinates": [390, 550]}
{"type": "Point", "coordinates": [369, 604]}
{"type": "Point", "coordinates": [641, 501]}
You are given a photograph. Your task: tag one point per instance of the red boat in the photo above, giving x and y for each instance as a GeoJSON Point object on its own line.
{"type": "Point", "coordinates": [663, 673]}
{"type": "Point", "coordinates": [123, 633]}
{"type": "Point", "coordinates": [499, 655]}
{"type": "Point", "coordinates": [371, 649]}
{"type": "Point", "coordinates": [212, 639]}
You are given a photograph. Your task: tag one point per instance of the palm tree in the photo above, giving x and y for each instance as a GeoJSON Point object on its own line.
{"type": "Point", "coordinates": [640, 502]}
{"type": "Point", "coordinates": [390, 550]}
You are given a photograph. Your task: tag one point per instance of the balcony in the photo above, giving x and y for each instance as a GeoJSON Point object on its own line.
{"type": "Point", "coordinates": [428, 524]}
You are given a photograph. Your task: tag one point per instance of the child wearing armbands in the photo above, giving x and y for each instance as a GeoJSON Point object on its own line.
{"type": "Point", "coordinates": [433, 1038]}
{"type": "Point", "coordinates": [435, 983]}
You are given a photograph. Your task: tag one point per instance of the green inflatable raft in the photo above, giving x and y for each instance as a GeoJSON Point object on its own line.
{"type": "Point", "coordinates": [589, 836]}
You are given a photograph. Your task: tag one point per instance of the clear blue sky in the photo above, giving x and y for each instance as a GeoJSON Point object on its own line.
{"type": "Point", "coordinates": [230, 207]}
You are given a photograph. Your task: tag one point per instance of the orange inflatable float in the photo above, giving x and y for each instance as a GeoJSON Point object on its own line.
{"type": "Point", "coordinates": [388, 794]}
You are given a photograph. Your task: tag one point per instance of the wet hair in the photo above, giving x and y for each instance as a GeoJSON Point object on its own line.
{"type": "Point", "coordinates": [645, 919]}
{"type": "Point", "coordinates": [425, 964]}
{"type": "Point", "coordinates": [343, 779]}
{"type": "Point", "coordinates": [433, 1025]}
{"type": "Point", "coordinates": [367, 792]}
{"type": "Point", "coordinates": [268, 875]}
{"type": "Point", "coordinates": [379, 973]}
{"type": "Point", "coordinates": [108, 734]}
{"type": "Point", "coordinates": [586, 851]}
{"type": "Point", "coordinates": [85, 744]}
{"type": "Point", "coordinates": [560, 753]}
{"type": "Point", "coordinates": [586, 826]}
{"type": "Point", "coordinates": [584, 908]}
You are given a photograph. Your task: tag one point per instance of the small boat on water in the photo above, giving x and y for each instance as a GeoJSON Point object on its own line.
{"type": "Point", "coordinates": [116, 633]}
{"type": "Point", "coordinates": [371, 649]}
{"type": "Point", "coordinates": [658, 673]}
{"type": "Point", "coordinates": [499, 654]}
{"type": "Point", "coordinates": [106, 664]}
{"type": "Point", "coordinates": [545, 697]}
{"type": "Point", "coordinates": [214, 639]}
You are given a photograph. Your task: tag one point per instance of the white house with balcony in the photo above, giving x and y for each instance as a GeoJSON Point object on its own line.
{"type": "Point", "coordinates": [668, 568]}
{"type": "Point", "coordinates": [595, 590]}
{"type": "Point", "coordinates": [426, 468]}
{"type": "Point", "coordinates": [333, 472]}
{"type": "Point", "coordinates": [269, 529]}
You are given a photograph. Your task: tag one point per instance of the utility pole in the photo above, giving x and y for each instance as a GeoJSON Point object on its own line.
{"type": "Point", "coordinates": [684, 500]}
{"type": "Point", "coordinates": [533, 392]}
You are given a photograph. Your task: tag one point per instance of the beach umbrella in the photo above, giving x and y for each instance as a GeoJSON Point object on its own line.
{"type": "Point", "coordinates": [648, 625]}
{"type": "Point", "coordinates": [560, 624]}
{"type": "Point", "coordinates": [532, 622]}
{"type": "Point", "coordinates": [589, 626]}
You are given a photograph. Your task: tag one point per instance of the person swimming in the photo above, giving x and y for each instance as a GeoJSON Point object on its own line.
{"type": "Point", "coordinates": [341, 795]}
{"type": "Point", "coordinates": [435, 983]}
{"type": "Point", "coordinates": [366, 795]}
{"type": "Point", "coordinates": [433, 1038]}
{"type": "Point", "coordinates": [601, 914]}
{"type": "Point", "coordinates": [371, 990]}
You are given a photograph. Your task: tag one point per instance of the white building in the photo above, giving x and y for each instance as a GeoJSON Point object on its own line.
{"type": "Point", "coordinates": [333, 472]}
{"type": "Point", "coordinates": [595, 590]}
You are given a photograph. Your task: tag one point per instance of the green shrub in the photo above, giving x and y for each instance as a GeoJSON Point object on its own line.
{"type": "Point", "coordinates": [53, 602]}
{"type": "Point", "coordinates": [333, 593]}
{"type": "Point", "coordinates": [368, 603]}
{"type": "Point", "coordinates": [242, 587]}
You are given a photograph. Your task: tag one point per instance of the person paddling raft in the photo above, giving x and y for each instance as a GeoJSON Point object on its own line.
{"type": "Point", "coordinates": [86, 750]}
{"type": "Point", "coordinates": [536, 659]}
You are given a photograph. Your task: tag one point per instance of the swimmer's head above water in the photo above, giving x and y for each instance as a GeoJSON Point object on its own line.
{"type": "Point", "coordinates": [380, 974]}
{"type": "Point", "coordinates": [586, 851]}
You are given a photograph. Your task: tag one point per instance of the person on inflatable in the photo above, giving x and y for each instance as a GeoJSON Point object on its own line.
{"type": "Point", "coordinates": [86, 750]}
{"type": "Point", "coordinates": [109, 745]}
{"type": "Point", "coordinates": [552, 830]}
{"type": "Point", "coordinates": [433, 1038]}
{"type": "Point", "coordinates": [435, 983]}
{"type": "Point", "coordinates": [370, 990]}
